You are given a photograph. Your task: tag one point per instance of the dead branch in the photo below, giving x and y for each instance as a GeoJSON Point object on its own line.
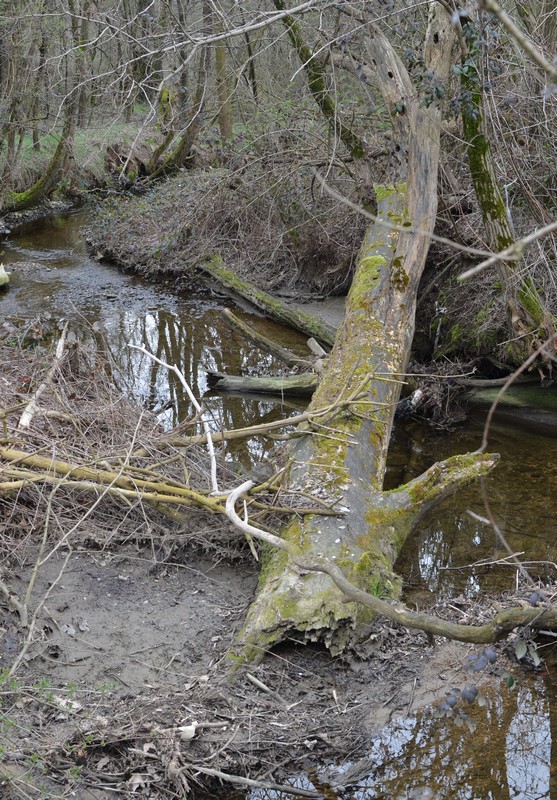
{"type": "Point", "coordinates": [32, 406]}
{"type": "Point", "coordinates": [50, 470]}
{"type": "Point", "coordinates": [277, 350]}
{"type": "Point", "coordinates": [500, 626]}
{"type": "Point", "coordinates": [171, 439]}
{"type": "Point", "coordinates": [273, 307]}
{"type": "Point", "coordinates": [238, 779]}
{"type": "Point", "coordinates": [302, 385]}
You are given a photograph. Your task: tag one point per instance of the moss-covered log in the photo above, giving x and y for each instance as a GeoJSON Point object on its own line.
{"type": "Point", "coordinates": [371, 351]}
{"type": "Point", "coordinates": [302, 385]}
{"type": "Point", "coordinates": [272, 306]}
{"type": "Point", "coordinates": [55, 171]}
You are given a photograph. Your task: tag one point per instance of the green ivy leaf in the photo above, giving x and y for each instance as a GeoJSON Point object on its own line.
{"type": "Point", "coordinates": [520, 649]}
{"type": "Point", "coordinates": [533, 653]}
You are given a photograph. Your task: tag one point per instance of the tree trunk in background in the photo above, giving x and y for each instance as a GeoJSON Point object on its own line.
{"type": "Point", "coordinates": [84, 56]}
{"type": "Point", "coordinates": [61, 163]}
{"type": "Point", "coordinates": [181, 152]}
{"type": "Point", "coordinates": [58, 167]}
{"type": "Point", "coordinates": [223, 88]}
{"type": "Point", "coordinates": [529, 320]}
{"type": "Point", "coordinates": [344, 465]}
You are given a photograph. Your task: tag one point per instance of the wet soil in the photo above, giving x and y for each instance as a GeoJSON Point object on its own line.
{"type": "Point", "coordinates": [129, 653]}
{"type": "Point", "coordinates": [131, 641]}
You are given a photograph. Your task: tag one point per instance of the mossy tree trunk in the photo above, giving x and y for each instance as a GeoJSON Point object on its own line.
{"type": "Point", "coordinates": [346, 468]}
{"type": "Point", "coordinates": [223, 86]}
{"type": "Point", "coordinates": [61, 163]}
{"type": "Point", "coordinates": [57, 168]}
{"type": "Point", "coordinates": [529, 320]}
{"type": "Point", "coordinates": [273, 307]}
{"type": "Point", "coordinates": [178, 156]}
{"type": "Point", "coordinates": [318, 81]}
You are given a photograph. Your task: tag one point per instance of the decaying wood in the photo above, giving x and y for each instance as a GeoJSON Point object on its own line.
{"type": "Point", "coordinates": [277, 350]}
{"type": "Point", "coordinates": [21, 468]}
{"type": "Point", "coordinates": [347, 464]}
{"type": "Point", "coordinates": [316, 416]}
{"type": "Point", "coordinates": [302, 385]}
{"type": "Point", "coordinates": [241, 781]}
{"type": "Point", "coordinates": [503, 623]}
{"type": "Point", "coordinates": [272, 306]}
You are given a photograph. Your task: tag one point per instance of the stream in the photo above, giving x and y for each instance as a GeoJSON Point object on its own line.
{"type": "Point", "coordinates": [454, 551]}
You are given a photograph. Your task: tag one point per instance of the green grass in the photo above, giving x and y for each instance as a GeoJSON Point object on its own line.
{"type": "Point", "coordinates": [89, 148]}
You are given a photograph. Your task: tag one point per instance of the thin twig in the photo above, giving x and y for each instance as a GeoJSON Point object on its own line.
{"type": "Point", "coordinates": [544, 347]}
{"type": "Point", "coordinates": [193, 400]}
{"type": "Point", "coordinates": [32, 406]}
{"type": "Point", "coordinates": [273, 787]}
{"type": "Point", "coordinates": [512, 252]}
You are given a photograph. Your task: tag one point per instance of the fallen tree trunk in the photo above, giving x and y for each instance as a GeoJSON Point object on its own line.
{"type": "Point", "coordinates": [302, 385]}
{"type": "Point", "coordinates": [503, 623]}
{"type": "Point", "coordinates": [272, 306]}
{"type": "Point", "coordinates": [346, 466]}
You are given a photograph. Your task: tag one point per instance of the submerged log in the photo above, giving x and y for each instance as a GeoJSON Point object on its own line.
{"type": "Point", "coordinates": [272, 306]}
{"type": "Point", "coordinates": [272, 347]}
{"type": "Point", "coordinates": [303, 385]}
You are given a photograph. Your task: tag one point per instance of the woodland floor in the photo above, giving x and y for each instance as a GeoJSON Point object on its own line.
{"type": "Point", "coordinates": [125, 687]}
{"type": "Point", "coordinates": [129, 653]}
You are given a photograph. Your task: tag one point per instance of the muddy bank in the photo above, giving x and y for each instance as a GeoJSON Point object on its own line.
{"type": "Point", "coordinates": [179, 224]}
{"type": "Point", "coordinates": [284, 240]}
{"type": "Point", "coordinates": [123, 682]}
{"type": "Point", "coordinates": [129, 687]}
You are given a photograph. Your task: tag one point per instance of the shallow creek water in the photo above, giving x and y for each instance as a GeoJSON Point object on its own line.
{"type": "Point", "coordinates": [52, 273]}
{"type": "Point", "coordinates": [453, 552]}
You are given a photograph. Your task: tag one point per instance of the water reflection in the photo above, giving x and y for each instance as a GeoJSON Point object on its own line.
{"type": "Point", "coordinates": [509, 754]}
{"type": "Point", "coordinates": [522, 496]}
{"type": "Point", "coordinates": [52, 272]}
{"type": "Point", "coordinates": [507, 757]}
{"type": "Point", "coordinates": [195, 339]}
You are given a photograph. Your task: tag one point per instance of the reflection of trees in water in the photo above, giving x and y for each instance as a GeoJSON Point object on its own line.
{"type": "Point", "coordinates": [506, 757]}
{"type": "Point", "coordinates": [551, 681]}
{"type": "Point", "coordinates": [449, 538]}
{"type": "Point", "coordinates": [194, 343]}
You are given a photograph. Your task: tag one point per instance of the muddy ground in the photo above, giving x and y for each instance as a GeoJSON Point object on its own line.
{"type": "Point", "coordinates": [126, 687]}
{"type": "Point", "coordinates": [121, 683]}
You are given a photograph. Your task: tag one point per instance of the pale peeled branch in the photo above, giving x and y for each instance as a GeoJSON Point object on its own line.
{"type": "Point", "coordinates": [4, 276]}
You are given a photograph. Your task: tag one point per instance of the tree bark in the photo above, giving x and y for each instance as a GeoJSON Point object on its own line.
{"type": "Point", "coordinates": [372, 347]}
{"type": "Point", "coordinates": [303, 385]}
{"type": "Point", "coordinates": [56, 169]}
{"type": "Point", "coordinates": [272, 306]}
{"type": "Point", "coordinates": [181, 152]}
{"type": "Point", "coordinates": [223, 88]}
{"type": "Point", "coordinates": [529, 319]}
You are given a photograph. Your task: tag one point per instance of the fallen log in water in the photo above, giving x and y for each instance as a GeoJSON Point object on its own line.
{"type": "Point", "coordinates": [272, 306]}
{"type": "Point", "coordinates": [302, 385]}
{"type": "Point", "coordinates": [272, 347]}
